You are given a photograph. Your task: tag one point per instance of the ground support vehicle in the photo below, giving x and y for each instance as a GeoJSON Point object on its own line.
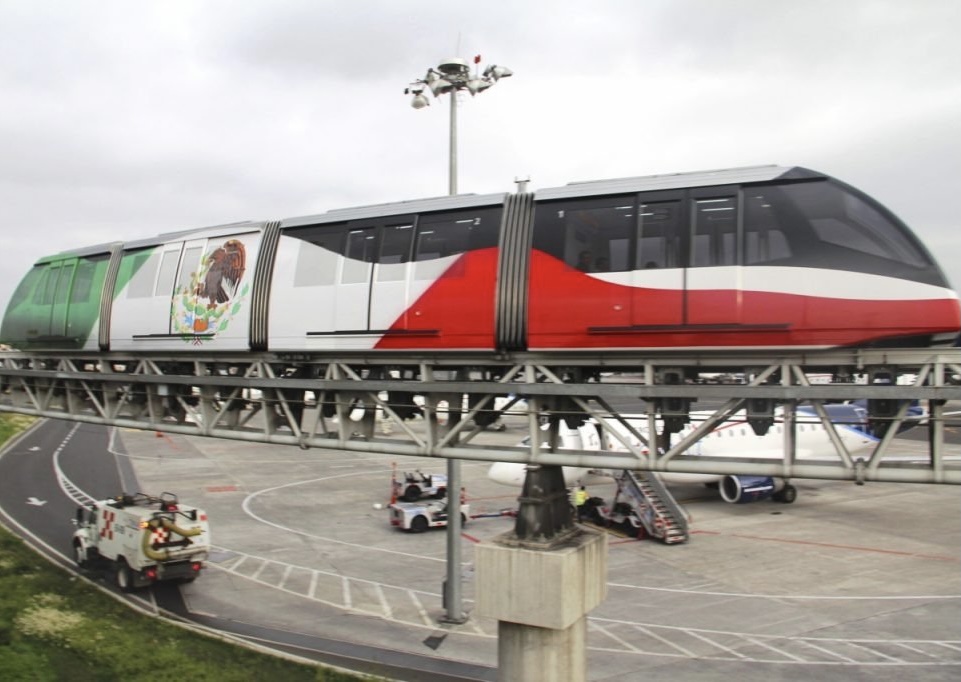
{"type": "Point", "coordinates": [641, 508]}
{"type": "Point", "coordinates": [141, 539]}
{"type": "Point", "coordinates": [417, 485]}
{"type": "Point", "coordinates": [419, 516]}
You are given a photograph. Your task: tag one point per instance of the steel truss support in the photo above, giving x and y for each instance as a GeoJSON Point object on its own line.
{"type": "Point", "coordinates": [444, 405]}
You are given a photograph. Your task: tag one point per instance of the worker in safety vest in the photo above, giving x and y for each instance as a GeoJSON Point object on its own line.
{"type": "Point", "coordinates": [580, 497]}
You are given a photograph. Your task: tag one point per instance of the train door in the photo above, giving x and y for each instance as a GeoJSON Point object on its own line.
{"type": "Point", "coordinates": [658, 277]}
{"type": "Point", "coordinates": [62, 275]}
{"type": "Point", "coordinates": [352, 312]}
{"type": "Point", "coordinates": [179, 278]}
{"type": "Point", "coordinates": [390, 285]}
{"type": "Point", "coordinates": [712, 278]}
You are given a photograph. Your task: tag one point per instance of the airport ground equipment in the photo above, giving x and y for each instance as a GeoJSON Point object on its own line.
{"type": "Point", "coordinates": [142, 539]}
{"type": "Point", "coordinates": [418, 484]}
{"type": "Point", "coordinates": [419, 516]}
{"type": "Point", "coordinates": [642, 507]}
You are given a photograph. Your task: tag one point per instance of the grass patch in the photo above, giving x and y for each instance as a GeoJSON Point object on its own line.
{"type": "Point", "coordinates": [54, 626]}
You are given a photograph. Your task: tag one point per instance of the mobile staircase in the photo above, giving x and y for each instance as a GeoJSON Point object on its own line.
{"type": "Point", "coordinates": [643, 506]}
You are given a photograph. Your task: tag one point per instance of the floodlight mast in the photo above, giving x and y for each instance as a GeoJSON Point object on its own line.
{"type": "Point", "coordinates": [449, 77]}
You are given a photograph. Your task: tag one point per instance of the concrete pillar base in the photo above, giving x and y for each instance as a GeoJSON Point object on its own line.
{"type": "Point", "coordinates": [533, 654]}
{"type": "Point", "coordinates": [540, 596]}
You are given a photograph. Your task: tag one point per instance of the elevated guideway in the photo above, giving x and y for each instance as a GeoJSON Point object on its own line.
{"type": "Point", "coordinates": [442, 405]}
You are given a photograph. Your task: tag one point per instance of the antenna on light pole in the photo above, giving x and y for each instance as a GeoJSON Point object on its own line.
{"type": "Point", "coordinates": [449, 77]}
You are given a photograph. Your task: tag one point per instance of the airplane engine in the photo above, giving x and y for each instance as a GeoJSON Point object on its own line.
{"type": "Point", "coordinates": [744, 489]}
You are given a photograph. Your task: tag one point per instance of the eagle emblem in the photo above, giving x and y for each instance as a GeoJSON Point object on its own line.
{"type": "Point", "coordinates": [205, 306]}
{"type": "Point", "coordinates": [224, 270]}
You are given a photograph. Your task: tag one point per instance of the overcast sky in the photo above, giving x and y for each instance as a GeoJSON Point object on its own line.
{"type": "Point", "coordinates": [122, 120]}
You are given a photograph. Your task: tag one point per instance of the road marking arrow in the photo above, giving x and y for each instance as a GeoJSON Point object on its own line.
{"type": "Point", "coordinates": [35, 502]}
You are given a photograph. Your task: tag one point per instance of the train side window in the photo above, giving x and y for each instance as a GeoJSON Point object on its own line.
{"type": "Point", "coordinates": [360, 252]}
{"type": "Point", "coordinates": [168, 272]}
{"type": "Point", "coordinates": [27, 284]}
{"type": "Point", "coordinates": [450, 234]}
{"type": "Point", "coordinates": [844, 219]}
{"type": "Point", "coordinates": [714, 237]}
{"type": "Point", "coordinates": [63, 284]}
{"type": "Point", "coordinates": [40, 293]}
{"type": "Point", "coordinates": [83, 279]}
{"type": "Point", "coordinates": [825, 221]}
{"type": "Point", "coordinates": [318, 266]}
{"type": "Point", "coordinates": [394, 249]}
{"type": "Point", "coordinates": [764, 232]}
{"type": "Point", "coordinates": [144, 267]}
{"type": "Point", "coordinates": [189, 266]}
{"type": "Point", "coordinates": [657, 244]}
{"type": "Point", "coordinates": [593, 235]}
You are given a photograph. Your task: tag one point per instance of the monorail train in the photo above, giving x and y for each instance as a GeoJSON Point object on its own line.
{"type": "Point", "coordinates": [764, 257]}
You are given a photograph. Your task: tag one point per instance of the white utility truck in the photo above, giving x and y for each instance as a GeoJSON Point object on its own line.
{"type": "Point", "coordinates": [418, 485]}
{"type": "Point", "coordinates": [419, 516]}
{"type": "Point", "coordinates": [142, 539]}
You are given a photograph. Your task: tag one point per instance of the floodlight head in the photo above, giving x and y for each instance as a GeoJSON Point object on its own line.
{"type": "Point", "coordinates": [497, 72]}
{"type": "Point", "coordinates": [419, 101]}
{"type": "Point", "coordinates": [440, 86]}
{"type": "Point", "coordinates": [475, 85]}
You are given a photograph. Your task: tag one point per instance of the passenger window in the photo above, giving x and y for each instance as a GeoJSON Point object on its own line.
{"type": "Point", "coordinates": [83, 280]}
{"type": "Point", "coordinates": [189, 267]}
{"type": "Point", "coordinates": [657, 243]}
{"type": "Point", "coordinates": [318, 255]}
{"type": "Point", "coordinates": [168, 272]}
{"type": "Point", "coordinates": [764, 232]}
{"type": "Point", "coordinates": [27, 285]}
{"type": "Point", "coordinates": [450, 234]}
{"type": "Point", "coordinates": [394, 249]}
{"type": "Point", "coordinates": [360, 253]}
{"type": "Point", "coordinates": [591, 236]}
{"type": "Point", "coordinates": [44, 292]}
{"type": "Point", "coordinates": [63, 284]}
{"type": "Point", "coordinates": [826, 213]}
{"type": "Point", "coordinates": [144, 271]}
{"type": "Point", "coordinates": [714, 239]}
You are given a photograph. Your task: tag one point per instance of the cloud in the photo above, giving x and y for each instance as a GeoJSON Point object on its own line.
{"type": "Point", "coordinates": [122, 120]}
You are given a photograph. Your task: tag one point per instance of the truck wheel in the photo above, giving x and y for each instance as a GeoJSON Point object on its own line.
{"type": "Point", "coordinates": [80, 555]}
{"type": "Point", "coordinates": [412, 493]}
{"type": "Point", "coordinates": [123, 576]}
{"type": "Point", "coordinates": [418, 524]}
{"type": "Point", "coordinates": [788, 494]}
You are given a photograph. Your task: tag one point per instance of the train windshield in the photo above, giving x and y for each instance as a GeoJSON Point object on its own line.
{"type": "Point", "coordinates": [804, 222]}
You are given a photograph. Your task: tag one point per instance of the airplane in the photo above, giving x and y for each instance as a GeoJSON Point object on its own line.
{"type": "Point", "coordinates": [732, 438]}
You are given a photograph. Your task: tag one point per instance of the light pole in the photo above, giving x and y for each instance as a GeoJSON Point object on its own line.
{"type": "Point", "coordinates": [448, 78]}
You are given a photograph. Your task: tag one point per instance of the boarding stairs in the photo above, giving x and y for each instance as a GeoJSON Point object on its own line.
{"type": "Point", "coordinates": [653, 505]}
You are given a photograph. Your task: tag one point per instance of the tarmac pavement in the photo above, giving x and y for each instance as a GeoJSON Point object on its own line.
{"type": "Point", "coordinates": [847, 582]}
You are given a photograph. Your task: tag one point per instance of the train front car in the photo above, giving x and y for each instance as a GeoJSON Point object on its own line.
{"type": "Point", "coordinates": [764, 257]}
{"type": "Point", "coordinates": [56, 306]}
